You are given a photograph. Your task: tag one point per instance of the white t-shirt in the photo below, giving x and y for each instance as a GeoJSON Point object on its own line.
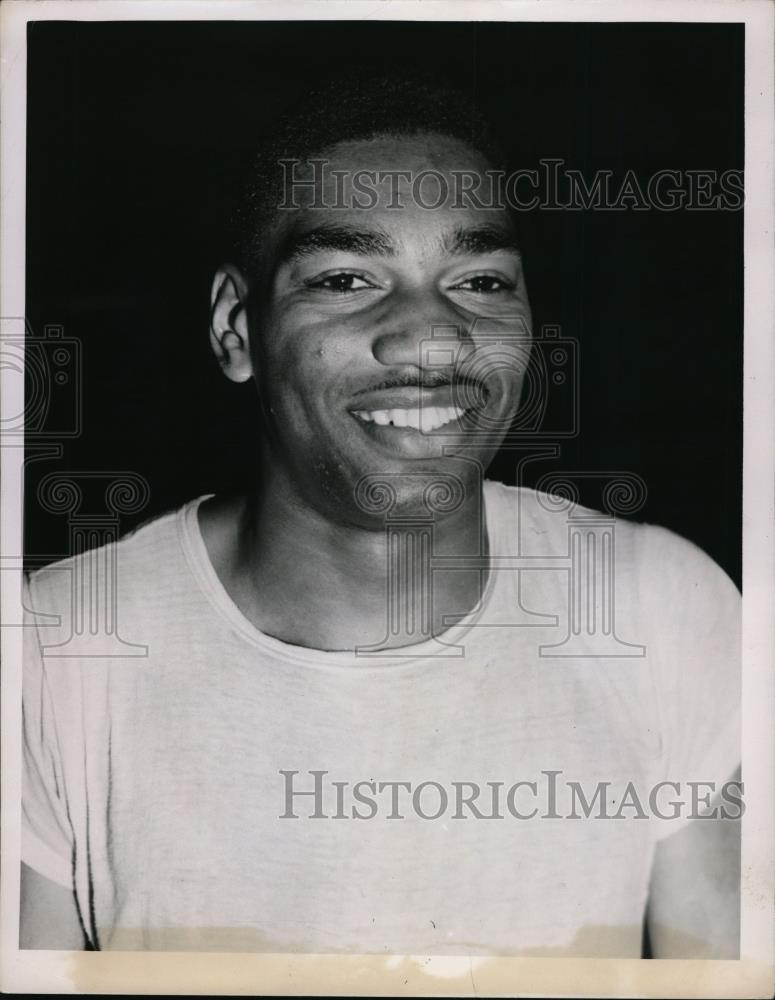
{"type": "Point", "coordinates": [154, 784]}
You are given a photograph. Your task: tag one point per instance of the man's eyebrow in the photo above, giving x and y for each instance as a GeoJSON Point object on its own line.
{"type": "Point", "coordinates": [481, 239]}
{"type": "Point", "coordinates": [345, 239]}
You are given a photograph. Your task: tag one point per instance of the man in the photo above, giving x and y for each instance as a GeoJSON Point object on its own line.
{"type": "Point", "coordinates": [364, 722]}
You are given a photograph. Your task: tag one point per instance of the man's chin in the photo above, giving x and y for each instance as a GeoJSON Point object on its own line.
{"type": "Point", "coordinates": [437, 486]}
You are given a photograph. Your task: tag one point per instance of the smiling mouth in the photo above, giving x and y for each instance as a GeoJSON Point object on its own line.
{"type": "Point", "coordinates": [425, 419]}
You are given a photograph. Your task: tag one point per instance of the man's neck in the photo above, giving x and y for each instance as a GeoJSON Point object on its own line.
{"type": "Point", "coordinates": [311, 581]}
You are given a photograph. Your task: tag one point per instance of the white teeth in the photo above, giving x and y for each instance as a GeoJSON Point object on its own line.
{"type": "Point", "coordinates": [427, 419]}
{"type": "Point", "coordinates": [431, 417]}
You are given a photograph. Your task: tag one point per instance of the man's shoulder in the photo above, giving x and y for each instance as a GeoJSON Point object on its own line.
{"type": "Point", "coordinates": [126, 601]}
{"type": "Point", "coordinates": [545, 520]}
{"type": "Point", "coordinates": [550, 515]}
{"type": "Point", "coordinates": [142, 560]}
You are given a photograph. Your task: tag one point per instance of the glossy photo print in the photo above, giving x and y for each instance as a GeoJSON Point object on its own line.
{"type": "Point", "coordinates": [385, 605]}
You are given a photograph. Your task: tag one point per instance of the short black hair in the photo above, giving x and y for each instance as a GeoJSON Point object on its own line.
{"type": "Point", "coordinates": [357, 105]}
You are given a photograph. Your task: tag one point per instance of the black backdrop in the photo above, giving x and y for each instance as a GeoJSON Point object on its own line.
{"type": "Point", "coordinates": [139, 132]}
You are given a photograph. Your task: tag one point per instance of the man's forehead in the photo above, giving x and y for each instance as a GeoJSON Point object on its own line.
{"type": "Point", "coordinates": [385, 171]}
{"type": "Point", "coordinates": [362, 237]}
{"type": "Point", "coordinates": [380, 195]}
{"type": "Point", "coordinates": [392, 151]}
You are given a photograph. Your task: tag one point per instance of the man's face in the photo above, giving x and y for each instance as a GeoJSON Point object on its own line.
{"type": "Point", "coordinates": [389, 341]}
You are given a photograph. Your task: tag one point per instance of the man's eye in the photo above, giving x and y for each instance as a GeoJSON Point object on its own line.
{"type": "Point", "coordinates": [484, 283]}
{"type": "Point", "coordinates": [344, 281]}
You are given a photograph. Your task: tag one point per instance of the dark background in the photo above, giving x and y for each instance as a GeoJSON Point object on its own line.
{"type": "Point", "coordinates": [138, 134]}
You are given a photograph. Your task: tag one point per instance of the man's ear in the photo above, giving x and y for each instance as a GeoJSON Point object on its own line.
{"type": "Point", "coordinates": [229, 323]}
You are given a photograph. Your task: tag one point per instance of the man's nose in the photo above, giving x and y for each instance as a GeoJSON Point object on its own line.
{"type": "Point", "coordinates": [405, 333]}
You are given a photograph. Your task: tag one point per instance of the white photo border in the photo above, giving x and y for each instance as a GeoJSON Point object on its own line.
{"type": "Point", "coordinates": [274, 974]}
